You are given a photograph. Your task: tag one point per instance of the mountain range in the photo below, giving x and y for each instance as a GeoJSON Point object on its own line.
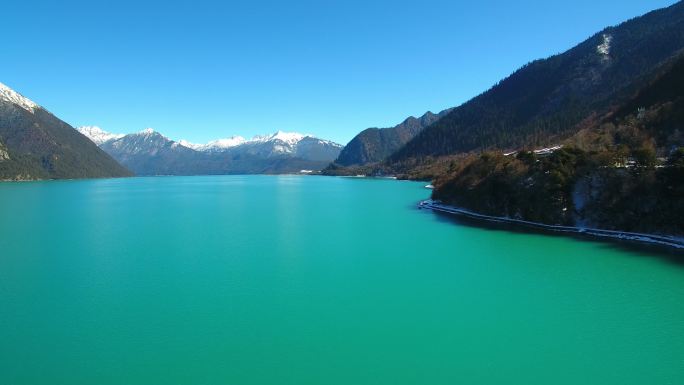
{"type": "Point", "coordinates": [150, 153]}
{"type": "Point", "coordinates": [564, 99]}
{"type": "Point", "coordinates": [35, 144]}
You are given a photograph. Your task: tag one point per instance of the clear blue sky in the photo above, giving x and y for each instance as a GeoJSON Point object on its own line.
{"type": "Point", "coordinates": [200, 70]}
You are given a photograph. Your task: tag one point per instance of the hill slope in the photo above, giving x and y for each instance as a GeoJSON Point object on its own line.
{"type": "Point", "coordinates": [622, 172]}
{"type": "Point", "coordinates": [546, 100]}
{"type": "Point", "coordinates": [376, 144]}
{"type": "Point", "coordinates": [34, 144]}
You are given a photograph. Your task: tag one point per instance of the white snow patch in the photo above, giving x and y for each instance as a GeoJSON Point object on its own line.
{"type": "Point", "coordinates": [604, 47]}
{"type": "Point", "coordinates": [290, 138]}
{"type": "Point", "coordinates": [150, 133]}
{"type": "Point", "coordinates": [226, 142]}
{"type": "Point", "coordinates": [190, 145]}
{"type": "Point", "coordinates": [283, 142]}
{"type": "Point", "coordinates": [98, 135]}
{"type": "Point", "coordinates": [9, 95]}
{"type": "Point", "coordinates": [215, 145]}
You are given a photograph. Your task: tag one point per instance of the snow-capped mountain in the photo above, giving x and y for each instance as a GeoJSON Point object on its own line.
{"type": "Point", "coordinates": [314, 148]}
{"type": "Point", "coordinates": [147, 141]}
{"type": "Point", "coordinates": [151, 153]}
{"type": "Point", "coordinates": [278, 143]}
{"type": "Point", "coordinates": [290, 144]}
{"type": "Point", "coordinates": [98, 135]}
{"type": "Point", "coordinates": [35, 144]}
{"type": "Point", "coordinates": [9, 95]}
{"type": "Point", "coordinates": [289, 138]}
{"type": "Point", "coordinates": [215, 145]}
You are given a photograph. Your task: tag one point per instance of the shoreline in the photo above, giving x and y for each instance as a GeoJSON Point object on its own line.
{"type": "Point", "coordinates": [651, 239]}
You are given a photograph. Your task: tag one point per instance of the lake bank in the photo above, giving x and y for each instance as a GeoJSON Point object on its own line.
{"type": "Point", "coordinates": [652, 239]}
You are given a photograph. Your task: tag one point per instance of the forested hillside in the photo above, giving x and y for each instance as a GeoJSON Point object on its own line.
{"type": "Point", "coordinates": [547, 100]}
{"type": "Point", "coordinates": [623, 172]}
{"type": "Point", "coordinates": [375, 144]}
{"type": "Point", "coordinates": [34, 144]}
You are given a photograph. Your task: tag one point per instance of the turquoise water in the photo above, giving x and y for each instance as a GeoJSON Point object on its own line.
{"type": "Point", "coordinates": [313, 280]}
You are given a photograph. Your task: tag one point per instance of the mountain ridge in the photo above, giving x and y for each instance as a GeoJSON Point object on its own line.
{"type": "Point", "coordinates": [545, 100]}
{"type": "Point", "coordinates": [148, 152]}
{"type": "Point", "coordinates": [35, 144]}
{"type": "Point", "coordinates": [375, 144]}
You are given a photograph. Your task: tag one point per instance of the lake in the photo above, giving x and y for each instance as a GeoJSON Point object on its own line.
{"type": "Point", "coordinates": [314, 280]}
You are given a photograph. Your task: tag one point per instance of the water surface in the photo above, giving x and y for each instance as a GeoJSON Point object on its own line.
{"type": "Point", "coordinates": [313, 280]}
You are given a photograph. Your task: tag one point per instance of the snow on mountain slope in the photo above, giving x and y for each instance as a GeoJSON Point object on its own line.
{"type": "Point", "coordinates": [290, 144]}
{"type": "Point", "coordinates": [215, 145]}
{"type": "Point", "coordinates": [147, 142]}
{"type": "Point", "coordinates": [290, 138]}
{"type": "Point", "coordinates": [97, 135]}
{"type": "Point", "coordinates": [190, 145]}
{"type": "Point", "coordinates": [38, 145]}
{"type": "Point", "coordinates": [277, 145]}
{"type": "Point", "coordinates": [9, 95]}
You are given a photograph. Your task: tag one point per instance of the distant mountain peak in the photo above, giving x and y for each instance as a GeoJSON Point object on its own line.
{"type": "Point", "coordinates": [190, 145]}
{"type": "Point", "coordinates": [287, 137]}
{"type": "Point", "coordinates": [214, 145]}
{"type": "Point", "coordinates": [10, 95]}
{"type": "Point", "coordinates": [375, 144]}
{"type": "Point", "coordinates": [151, 134]}
{"type": "Point", "coordinates": [97, 135]}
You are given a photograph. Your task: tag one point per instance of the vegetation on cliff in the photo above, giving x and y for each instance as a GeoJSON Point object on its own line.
{"type": "Point", "coordinates": [625, 172]}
